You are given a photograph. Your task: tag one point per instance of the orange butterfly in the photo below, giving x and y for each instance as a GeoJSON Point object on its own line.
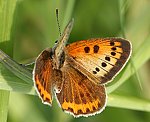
{"type": "Point", "coordinates": [77, 73]}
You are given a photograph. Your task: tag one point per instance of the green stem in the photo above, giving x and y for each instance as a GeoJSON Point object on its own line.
{"type": "Point", "coordinates": [7, 8]}
{"type": "Point", "coordinates": [68, 13]}
{"type": "Point", "coordinates": [128, 102]}
{"type": "Point", "coordinates": [4, 100]}
{"type": "Point", "coordinates": [121, 14]}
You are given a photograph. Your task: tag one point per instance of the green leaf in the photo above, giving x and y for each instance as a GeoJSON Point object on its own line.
{"type": "Point", "coordinates": [7, 8]}
{"type": "Point", "coordinates": [68, 12]}
{"type": "Point", "coordinates": [128, 102]}
{"type": "Point", "coordinates": [4, 100]}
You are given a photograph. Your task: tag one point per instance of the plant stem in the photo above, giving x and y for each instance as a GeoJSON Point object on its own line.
{"type": "Point", "coordinates": [128, 102]}
{"type": "Point", "coordinates": [7, 8]}
{"type": "Point", "coordinates": [68, 13]}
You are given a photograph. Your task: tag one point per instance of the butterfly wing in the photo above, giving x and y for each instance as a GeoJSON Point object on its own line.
{"type": "Point", "coordinates": [79, 96]}
{"type": "Point", "coordinates": [42, 76]}
{"type": "Point", "coordinates": [99, 59]}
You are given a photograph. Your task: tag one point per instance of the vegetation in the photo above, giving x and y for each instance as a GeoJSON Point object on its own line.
{"type": "Point", "coordinates": [29, 26]}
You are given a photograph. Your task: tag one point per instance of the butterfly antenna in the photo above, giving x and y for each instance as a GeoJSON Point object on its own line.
{"type": "Point", "coordinates": [57, 18]}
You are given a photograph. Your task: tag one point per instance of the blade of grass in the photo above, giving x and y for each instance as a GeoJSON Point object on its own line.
{"type": "Point", "coordinates": [18, 70]}
{"type": "Point", "coordinates": [123, 7]}
{"type": "Point", "coordinates": [121, 15]}
{"type": "Point", "coordinates": [128, 102]}
{"type": "Point", "coordinates": [6, 17]}
{"type": "Point", "coordinates": [10, 82]}
{"type": "Point", "coordinates": [4, 100]}
{"type": "Point", "coordinates": [68, 13]}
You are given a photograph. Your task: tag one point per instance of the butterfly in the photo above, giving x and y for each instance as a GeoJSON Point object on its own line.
{"type": "Point", "coordinates": [77, 73]}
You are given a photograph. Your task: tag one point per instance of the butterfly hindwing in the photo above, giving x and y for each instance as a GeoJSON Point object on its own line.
{"type": "Point", "coordinates": [79, 96]}
{"type": "Point", "coordinates": [99, 59]}
{"type": "Point", "coordinates": [42, 76]}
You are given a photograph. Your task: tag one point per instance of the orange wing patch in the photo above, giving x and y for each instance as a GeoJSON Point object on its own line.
{"type": "Point", "coordinates": [43, 76]}
{"type": "Point", "coordinates": [79, 96]}
{"type": "Point", "coordinates": [85, 108]}
{"type": "Point", "coordinates": [99, 59]}
{"type": "Point", "coordinates": [45, 95]}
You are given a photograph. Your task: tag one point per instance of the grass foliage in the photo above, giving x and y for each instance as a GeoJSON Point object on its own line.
{"type": "Point", "coordinates": [27, 27]}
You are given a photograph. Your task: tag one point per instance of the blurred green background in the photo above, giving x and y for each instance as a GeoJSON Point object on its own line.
{"type": "Point", "coordinates": [35, 27]}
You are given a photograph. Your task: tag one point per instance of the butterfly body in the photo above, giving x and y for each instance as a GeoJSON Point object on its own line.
{"type": "Point", "coordinates": [77, 73]}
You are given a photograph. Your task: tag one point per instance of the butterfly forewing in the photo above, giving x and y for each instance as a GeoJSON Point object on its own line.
{"type": "Point", "coordinates": [99, 59]}
{"type": "Point", "coordinates": [79, 96]}
{"type": "Point", "coordinates": [42, 76]}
